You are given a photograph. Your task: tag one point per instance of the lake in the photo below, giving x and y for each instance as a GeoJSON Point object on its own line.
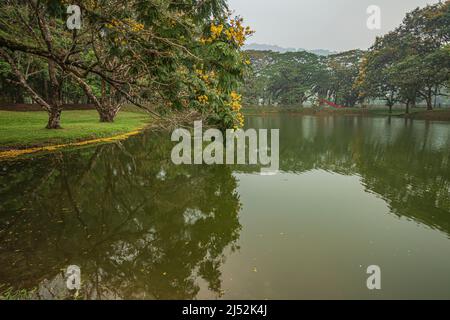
{"type": "Point", "coordinates": [351, 192]}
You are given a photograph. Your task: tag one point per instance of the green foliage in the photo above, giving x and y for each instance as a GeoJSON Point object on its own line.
{"type": "Point", "coordinates": [344, 70]}
{"type": "Point", "coordinates": [295, 78]}
{"type": "Point", "coordinates": [135, 50]}
{"type": "Point", "coordinates": [411, 62]}
{"type": "Point", "coordinates": [408, 64]}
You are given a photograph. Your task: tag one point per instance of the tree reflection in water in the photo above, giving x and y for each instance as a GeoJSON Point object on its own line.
{"type": "Point", "coordinates": [406, 163]}
{"type": "Point", "coordinates": [138, 226]}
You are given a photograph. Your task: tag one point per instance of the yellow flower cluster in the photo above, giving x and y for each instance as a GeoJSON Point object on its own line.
{"type": "Point", "coordinates": [236, 105]}
{"type": "Point", "coordinates": [113, 23]}
{"type": "Point", "coordinates": [237, 32]}
{"type": "Point", "coordinates": [134, 26]}
{"type": "Point", "coordinates": [203, 99]}
{"type": "Point", "coordinates": [236, 101]}
{"type": "Point", "coordinates": [128, 24]}
{"type": "Point", "coordinates": [360, 80]}
{"type": "Point", "coordinates": [216, 31]}
{"type": "Point", "coordinates": [240, 119]}
{"type": "Point", "coordinates": [90, 4]}
{"type": "Point", "coordinates": [205, 76]}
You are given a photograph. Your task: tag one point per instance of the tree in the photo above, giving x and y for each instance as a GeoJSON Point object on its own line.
{"type": "Point", "coordinates": [427, 32]}
{"type": "Point", "coordinates": [297, 77]}
{"type": "Point", "coordinates": [287, 78]}
{"type": "Point", "coordinates": [134, 50]}
{"type": "Point", "coordinates": [374, 79]}
{"type": "Point", "coordinates": [344, 70]}
{"type": "Point", "coordinates": [411, 61]}
{"type": "Point", "coordinates": [33, 22]}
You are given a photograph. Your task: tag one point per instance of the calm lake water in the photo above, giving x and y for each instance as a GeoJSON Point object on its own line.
{"type": "Point", "coordinates": [352, 192]}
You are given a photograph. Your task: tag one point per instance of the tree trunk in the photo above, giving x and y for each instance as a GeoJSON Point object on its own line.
{"type": "Point", "coordinates": [429, 99]}
{"type": "Point", "coordinates": [54, 96]}
{"type": "Point", "coordinates": [54, 119]}
{"type": "Point", "coordinates": [435, 94]}
{"type": "Point", "coordinates": [407, 107]}
{"type": "Point", "coordinates": [103, 98]}
{"type": "Point", "coordinates": [390, 109]}
{"type": "Point", "coordinates": [429, 103]}
{"type": "Point", "coordinates": [107, 114]}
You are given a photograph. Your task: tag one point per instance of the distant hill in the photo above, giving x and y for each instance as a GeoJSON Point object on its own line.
{"type": "Point", "coordinates": [275, 48]}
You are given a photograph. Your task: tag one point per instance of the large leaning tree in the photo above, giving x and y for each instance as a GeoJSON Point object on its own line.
{"type": "Point", "coordinates": [142, 52]}
{"type": "Point", "coordinates": [25, 22]}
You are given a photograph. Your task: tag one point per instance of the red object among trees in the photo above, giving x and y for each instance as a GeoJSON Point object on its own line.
{"type": "Point", "coordinates": [332, 104]}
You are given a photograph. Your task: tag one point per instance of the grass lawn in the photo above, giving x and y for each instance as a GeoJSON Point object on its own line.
{"type": "Point", "coordinates": [23, 129]}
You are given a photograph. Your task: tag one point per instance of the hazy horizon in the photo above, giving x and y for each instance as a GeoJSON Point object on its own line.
{"type": "Point", "coordinates": [335, 25]}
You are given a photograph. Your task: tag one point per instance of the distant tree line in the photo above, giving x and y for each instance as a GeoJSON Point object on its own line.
{"type": "Point", "coordinates": [295, 78]}
{"type": "Point", "coordinates": [407, 65]}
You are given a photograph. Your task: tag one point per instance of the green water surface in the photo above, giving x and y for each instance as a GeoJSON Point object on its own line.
{"type": "Point", "coordinates": [351, 192]}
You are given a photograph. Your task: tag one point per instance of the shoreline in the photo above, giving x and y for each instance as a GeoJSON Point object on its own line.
{"type": "Point", "coordinates": [433, 115]}
{"type": "Point", "coordinates": [14, 153]}
{"type": "Point", "coordinates": [26, 135]}
{"type": "Point", "coordinates": [16, 150]}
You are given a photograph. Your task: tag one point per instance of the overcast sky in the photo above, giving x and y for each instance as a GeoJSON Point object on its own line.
{"type": "Point", "coordinates": [336, 25]}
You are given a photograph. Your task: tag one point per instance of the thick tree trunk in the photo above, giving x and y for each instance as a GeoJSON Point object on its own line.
{"type": "Point", "coordinates": [107, 115]}
{"type": "Point", "coordinates": [435, 96]}
{"type": "Point", "coordinates": [407, 107]}
{"type": "Point", "coordinates": [54, 119]}
{"type": "Point", "coordinates": [55, 97]}
{"type": "Point", "coordinates": [429, 98]}
{"type": "Point", "coordinates": [429, 103]}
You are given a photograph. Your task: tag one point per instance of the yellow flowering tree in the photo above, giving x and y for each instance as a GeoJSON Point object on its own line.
{"type": "Point", "coordinates": [220, 74]}
{"type": "Point", "coordinates": [160, 55]}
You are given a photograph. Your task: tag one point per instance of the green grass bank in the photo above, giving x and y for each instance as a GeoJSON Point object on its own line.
{"type": "Point", "coordinates": [27, 129]}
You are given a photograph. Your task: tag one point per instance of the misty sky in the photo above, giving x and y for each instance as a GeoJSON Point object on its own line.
{"type": "Point", "coordinates": [320, 24]}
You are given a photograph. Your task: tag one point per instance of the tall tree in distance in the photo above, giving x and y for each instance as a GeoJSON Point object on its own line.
{"type": "Point", "coordinates": [344, 69]}
{"type": "Point", "coordinates": [411, 62]}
